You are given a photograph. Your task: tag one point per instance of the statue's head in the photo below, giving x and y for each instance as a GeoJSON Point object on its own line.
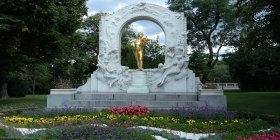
{"type": "Point", "coordinates": [140, 34]}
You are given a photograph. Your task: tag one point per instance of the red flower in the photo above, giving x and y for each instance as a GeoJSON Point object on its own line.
{"type": "Point", "coordinates": [129, 110]}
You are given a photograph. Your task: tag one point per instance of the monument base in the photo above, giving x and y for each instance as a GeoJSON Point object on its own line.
{"type": "Point", "coordinates": [139, 83]}
{"type": "Point", "coordinates": [154, 101]}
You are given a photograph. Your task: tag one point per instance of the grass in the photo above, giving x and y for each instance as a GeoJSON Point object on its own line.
{"type": "Point", "coordinates": [28, 102]}
{"type": "Point", "coordinates": [256, 102]}
{"type": "Point", "coordinates": [2, 133]}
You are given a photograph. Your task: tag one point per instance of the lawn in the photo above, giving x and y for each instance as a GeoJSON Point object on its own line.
{"type": "Point", "coordinates": [256, 102]}
{"type": "Point", "coordinates": [28, 102]}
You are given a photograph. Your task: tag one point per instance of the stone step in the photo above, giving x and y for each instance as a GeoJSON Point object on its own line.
{"type": "Point", "coordinates": [98, 103]}
{"type": "Point", "coordinates": [149, 104]}
{"type": "Point", "coordinates": [133, 97]}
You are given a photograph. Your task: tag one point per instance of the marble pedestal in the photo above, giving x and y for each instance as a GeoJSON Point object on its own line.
{"type": "Point", "coordinates": [139, 83]}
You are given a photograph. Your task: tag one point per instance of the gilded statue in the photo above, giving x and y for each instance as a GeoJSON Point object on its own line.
{"type": "Point", "coordinates": [139, 44]}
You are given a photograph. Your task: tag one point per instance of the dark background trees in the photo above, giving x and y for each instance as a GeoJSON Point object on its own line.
{"type": "Point", "coordinates": [33, 34]}
{"type": "Point", "coordinates": [211, 25]}
{"type": "Point", "coordinates": [256, 63]}
{"type": "Point", "coordinates": [252, 27]}
{"type": "Point", "coordinates": [48, 44]}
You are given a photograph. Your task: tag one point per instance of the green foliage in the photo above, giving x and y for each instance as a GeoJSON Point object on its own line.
{"type": "Point", "coordinates": [127, 56]}
{"type": "Point", "coordinates": [76, 61]}
{"type": "Point", "coordinates": [153, 54]}
{"type": "Point", "coordinates": [33, 34]}
{"type": "Point", "coordinates": [39, 78]}
{"type": "Point", "coordinates": [211, 24]}
{"type": "Point", "coordinates": [78, 56]}
{"type": "Point", "coordinates": [18, 88]}
{"type": "Point", "coordinates": [255, 65]}
{"type": "Point", "coordinates": [220, 74]}
{"type": "Point", "coordinates": [197, 63]}
{"type": "Point", "coordinates": [256, 69]}
{"type": "Point", "coordinates": [273, 120]}
{"type": "Point", "coordinates": [2, 133]}
{"type": "Point", "coordinates": [260, 20]}
{"type": "Point", "coordinates": [91, 27]}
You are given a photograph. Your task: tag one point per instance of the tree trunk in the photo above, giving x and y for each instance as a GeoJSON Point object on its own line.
{"type": "Point", "coordinates": [3, 91]}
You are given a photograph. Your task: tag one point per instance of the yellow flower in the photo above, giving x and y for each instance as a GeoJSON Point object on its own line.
{"type": "Point", "coordinates": [235, 121]}
{"type": "Point", "coordinates": [190, 122]}
{"type": "Point", "coordinates": [145, 119]}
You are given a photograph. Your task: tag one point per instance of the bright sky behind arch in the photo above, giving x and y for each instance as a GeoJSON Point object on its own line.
{"type": "Point", "coordinates": [149, 28]}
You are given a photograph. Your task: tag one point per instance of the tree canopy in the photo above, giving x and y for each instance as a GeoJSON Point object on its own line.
{"type": "Point", "coordinates": [50, 44]}
{"type": "Point", "coordinates": [256, 64]}
{"type": "Point", "coordinates": [211, 24]}
{"type": "Point", "coordinates": [34, 33]}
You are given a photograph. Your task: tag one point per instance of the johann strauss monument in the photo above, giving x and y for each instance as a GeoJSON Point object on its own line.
{"type": "Point", "coordinates": [170, 85]}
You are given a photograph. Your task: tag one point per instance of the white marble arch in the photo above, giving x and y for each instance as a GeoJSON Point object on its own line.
{"type": "Point", "coordinates": [173, 25]}
{"type": "Point", "coordinates": [111, 76]}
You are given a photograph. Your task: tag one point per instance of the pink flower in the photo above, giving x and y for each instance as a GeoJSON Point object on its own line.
{"type": "Point", "coordinates": [129, 110]}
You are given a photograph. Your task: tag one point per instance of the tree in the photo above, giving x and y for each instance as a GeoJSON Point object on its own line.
{"type": "Point", "coordinates": [211, 24]}
{"type": "Point", "coordinates": [153, 54]}
{"type": "Point", "coordinates": [33, 32]}
{"type": "Point", "coordinates": [91, 29]}
{"type": "Point", "coordinates": [77, 60]}
{"type": "Point", "coordinates": [220, 74]}
{"type": "Point", "coordinates": [256, 69]}
{"type": "Point", "coordinates": [127, 56]}
{"type": "Point", "coordinates": [256, 63]}
{"type": "Point", "coordinates": [197, 63]}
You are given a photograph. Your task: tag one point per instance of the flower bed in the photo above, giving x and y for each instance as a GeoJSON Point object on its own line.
{"type": "Point", "coordinates": [93, 132]}
{"type": "Point", "coordinates": [203, 120]}
{"type": "Point", "coordinates": [129, 110]}
{"type": "Point", "coordinates": [263, 136]}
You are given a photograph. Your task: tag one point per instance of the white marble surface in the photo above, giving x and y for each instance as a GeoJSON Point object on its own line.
{"type": "Point", "coordinates": [139, 83]}
{"type": "Point", "coordinates": [192, 136]}
{"type": "Point", "coordinates": [172, 76]}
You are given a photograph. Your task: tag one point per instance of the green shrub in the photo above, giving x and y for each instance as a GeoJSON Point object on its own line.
{"type": "Point", "coordinates": [2, 133]}
{"type": "Point", "coordinates": [18, 88]}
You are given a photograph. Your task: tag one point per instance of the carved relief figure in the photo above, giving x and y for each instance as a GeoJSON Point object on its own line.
{"type": "Point", "coordinates": [176, 66]}
{"type": "Point", "coordinates": [139, 44]}
{"type": "Point", "coordinates": [112, 73]}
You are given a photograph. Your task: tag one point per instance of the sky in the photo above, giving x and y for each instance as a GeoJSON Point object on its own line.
{"type": "Point", "coordinates": [149, 28]}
